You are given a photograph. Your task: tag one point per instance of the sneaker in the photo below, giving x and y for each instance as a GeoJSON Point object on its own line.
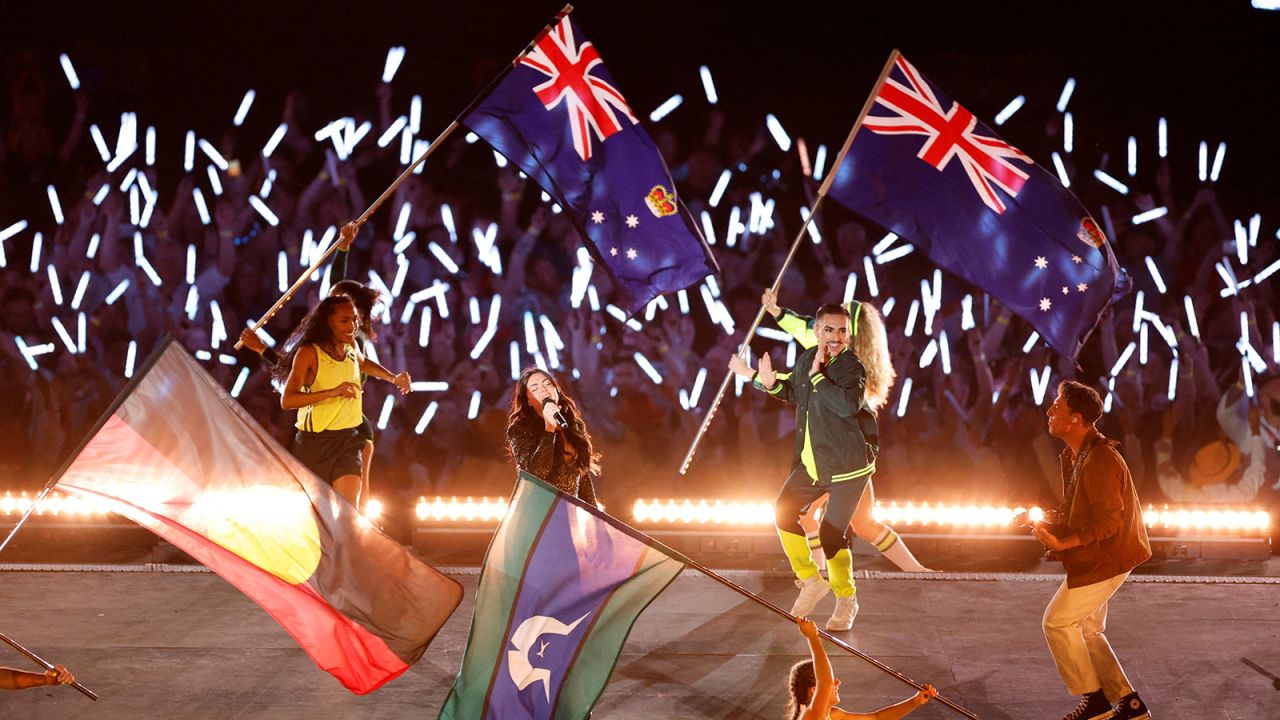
{"type": "Point", "coordinates": [842, 617]}
{"type": "Point", "coordinates": [811, 591]}
{"type": "Point", "coordinates": [1093, 706]}
{"type": "Point", "coordinates": [1131, 707]}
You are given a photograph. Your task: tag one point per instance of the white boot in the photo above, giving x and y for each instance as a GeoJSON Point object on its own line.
{"type": "Point", "coordinates": [842, 617]}
{"type": "Point", "coordinates": [811, 592]}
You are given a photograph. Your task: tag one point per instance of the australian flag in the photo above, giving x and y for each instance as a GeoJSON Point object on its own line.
{"type": "Point", "coordinates": [558, 116]}
{"type": "Point", "coordinates": [927, 169]}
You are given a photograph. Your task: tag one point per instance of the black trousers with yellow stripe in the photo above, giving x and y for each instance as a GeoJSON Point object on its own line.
{"type": "Point", "coordinates": [799, 492]}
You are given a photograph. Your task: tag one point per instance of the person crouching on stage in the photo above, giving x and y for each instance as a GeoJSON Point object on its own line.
{"type": "Point", "coordinates": [547, 437]}
{"type": "Point", "coordinates": [1101, 539]}
{"type": "Point", "coordinates": [323, 367]}
{"type": "Point", "coordinates": [835, 451]}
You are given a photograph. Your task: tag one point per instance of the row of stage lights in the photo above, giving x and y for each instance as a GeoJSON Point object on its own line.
{"type": "Point", "coordinates": [701, 513]}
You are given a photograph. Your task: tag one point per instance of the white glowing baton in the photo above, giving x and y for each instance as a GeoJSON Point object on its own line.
{"type": "Point", "coordinates": [243, 110]}
{"type": "Point", "coordinates": [241, 378]}
{"type": "Point", "coordinates": [395, 55]}
{"type": "Point", "coordinates": [1008, 111]}
{"type": "Point", "coordinates": [869, 270]}
{"type": "Point", "coordinates": [1155, 274]}
{"type": "Point", "coordinates": [1061, 169]}
{"type": "Point", "coordinates": [1111, 182]}
{"type": "Point", "coordinates": [62, 333]}
{"type": "Point", "coordinates": [80, 290]}
{"type": "Point", "coordinates": [274, 141]}
{"type": "Point", "coordinates": [904, 396]}
{"type": "Point", "coordinates": [129, 358]}
{"type": "Point", "coordinates": [1218, 157]}
{"type": "Point", "coordinates": [708, 86]}
{"type": "Point", "coordinates": [55, 204]}
{"type": "Point", "coordinates": [1133, 156]}
{"type": "Point", "coordinates": [1149, 215]}
{"type": "Point", "coordinates": [819, 162]}
{"type": "Point", "coordinates": [425, 420]}
{"type": "Point", "coordinates": [37, 243]}
{"type": "Point", "coordinates": [1192, 325]}
{"type": "Point", "coordinates": [648, 368]}
{"type": "Point", "coordinates": [666, 107]}
{"type": "Point", "coordinates": [1162, 137]}
{"type": "Point", "coordinates": [1065, 95]}
{"type": "Point", "coordinates": [721, 185]}
{"type": "Point", "coordinates": [424, 328]}
{"type": "Point", "coordinates": [389, 135]}
{"type": "Point", "coordinates": [1031, 342]}
{"type": "Point", "coordinates": [116, 292]}
{"type": "Point", "coordinates": [779, 134]}
{"type": "Point", "coordinates": [70, 71]}
{"type": "Point", "coordinates": [54, 285]}
{"type": "Point", "coordinates": [1124, 358]}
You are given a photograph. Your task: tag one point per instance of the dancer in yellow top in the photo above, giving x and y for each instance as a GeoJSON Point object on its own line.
{"type": "Point", "coordinates": [323, 367]}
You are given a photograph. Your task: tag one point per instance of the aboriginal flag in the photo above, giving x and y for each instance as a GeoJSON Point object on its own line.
{"type": "Point", "coordinates": [178, 456]}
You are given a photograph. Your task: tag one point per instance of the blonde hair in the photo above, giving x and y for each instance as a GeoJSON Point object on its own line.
{"type": "Point", "coordinates": [871, 345]}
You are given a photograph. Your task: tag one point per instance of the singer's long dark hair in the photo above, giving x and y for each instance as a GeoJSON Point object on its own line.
{"type": "Point", "coordinates": [522, 412]}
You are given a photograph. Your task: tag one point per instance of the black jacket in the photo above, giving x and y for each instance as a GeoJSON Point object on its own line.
{"type": "Point", "coordinates": [541, 454]}
{"type": "Point", "coordinates": [832, 406]}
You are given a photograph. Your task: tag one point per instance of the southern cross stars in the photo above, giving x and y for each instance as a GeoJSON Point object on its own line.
{"type": "Point", "coordinates": [632, 221]}
{"type": "Point", "coordinates": [1045, 304]}
{"type": "Point", "coordinates": [1082, 287]}
{"type": "Point", "coordinates": [1041, 263]}
{"type": "Point", "coordinates": [597, 217]}
{"type": "Point", "coordinates": [631, 253]}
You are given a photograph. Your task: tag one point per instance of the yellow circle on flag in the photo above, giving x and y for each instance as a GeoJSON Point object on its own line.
{"type": "Point", "coordinates": [270, 526]}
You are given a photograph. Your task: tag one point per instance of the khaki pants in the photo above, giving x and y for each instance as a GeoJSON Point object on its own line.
{"type": "Point", "coordinates": [1074, 624]}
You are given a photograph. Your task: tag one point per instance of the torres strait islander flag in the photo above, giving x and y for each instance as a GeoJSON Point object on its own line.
{"type": "Point", "coordinates": [178, 456]}
{"type": "Point", "coordinates": [561, 586]}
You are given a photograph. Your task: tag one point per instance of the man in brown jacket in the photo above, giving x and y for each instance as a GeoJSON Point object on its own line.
{"type": "Point", "coordinates": [1100, 538]}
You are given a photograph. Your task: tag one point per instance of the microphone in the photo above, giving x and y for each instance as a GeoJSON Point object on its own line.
{"type": "Point", "coordinates": [559, 415]}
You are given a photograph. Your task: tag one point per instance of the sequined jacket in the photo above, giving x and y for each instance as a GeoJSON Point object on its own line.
{"type": "Point", "coordinates": [541, 453]}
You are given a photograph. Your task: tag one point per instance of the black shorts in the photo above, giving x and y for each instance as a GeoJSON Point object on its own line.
{"type": "Point", "coordinates": [366, 429]}
{"type": "Point", "coordinates": [330, 454]}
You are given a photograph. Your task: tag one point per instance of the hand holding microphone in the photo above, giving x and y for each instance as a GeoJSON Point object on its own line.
{"type": "Point", "coordinates": [552, 415]}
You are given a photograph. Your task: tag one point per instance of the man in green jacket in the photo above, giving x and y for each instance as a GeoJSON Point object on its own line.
{"type": "Point", "coordinates": [1100, 537]}
{"type": "Point", "coordinates": [834, 455]}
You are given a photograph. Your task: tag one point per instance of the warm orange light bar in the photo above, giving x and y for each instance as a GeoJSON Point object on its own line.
{"type": "Point", "coordinates": [54, 505]}
{"type": "Point", "coordinates": [468, 509]}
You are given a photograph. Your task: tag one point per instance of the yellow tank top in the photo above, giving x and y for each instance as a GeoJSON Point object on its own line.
{"type": "Point", "coordinates": [333, 413]}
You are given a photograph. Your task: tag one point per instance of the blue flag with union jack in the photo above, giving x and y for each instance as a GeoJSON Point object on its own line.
{"type": "Point", "coordinates": [561, 586]}
{"type": "Point", "coordinates": [558, 116]}
{"type": "Point", "coordinates": [927, 169]}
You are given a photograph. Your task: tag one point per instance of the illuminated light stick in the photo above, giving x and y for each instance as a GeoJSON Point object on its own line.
{"type": "Point", "coordinates": [12, 230]}
{"type": "Point", "coordinates": [912, 312]}
{"type": "Point", "coordinates": [117, 291]}
{"type": "Point", "coordinates": [530, 334]}
{"type": "Point", "coordinates": [395, 55]}
{"type": "Point", "coordinates": [1061, 169]}
{"type": "Point", "coordinates": [1251, 355]}
{"type": "Point", "coordinates": [473, 410]}
{"type": "Point", "coordinates": [1040, 383]}
{"type": "Point", "coordinates": [1111, 182]}
{"type": "Point", "coordinates": [406, 146]}
{"type": "Point", "coordinates": [966, 308]}
{"type": "Point", "coordinates": [391, 132]}
{"type": "Point", "coordinates": [268, 183]}
{"type": "Point", "coordinates": [718, 192]}
{"type": "Point", "coordinates": [682, 297]}
{"type": "Point", "coordinates": [208, 149]}
{"type": "Point", "coordinates": [904, 396]}
{"type": "Point", "coordinates": [149, 207]}
{"type": "Point", "coordinates": [894, 254]}
{"type": "Point", "coordinates": [274, 141]}
{"type": "Point", "coordinates": [766, 215]}
{"type": "Point", "coordinates": [515, 360]}
{"type": "Point", "coordinates": [129, 178]}
{"type": "Point", "coordinates": [1068, 133]}
{"type": "Point", "coordinates": [1137, 313]}
{"type": "Point", "coordinates": [81, 331]}
{"type": "Point", "coordinates": [1173, 378]}
{"type": "Point", "coordinates": [1014, 106]}
{"type": "Point", "coordinates": [1133, 156]}
{"type": "Point", "coordinates": [30, 353]}
{"type": "Point", "coordinates": [593, 298]}
{"type": "Point", "coordinates": [428, 386]}
{"type": "Point", "coordinates": [415, 114]}
{"type": "Point", "coordinates": [634, 324]}
{"type": "Point", "coordinates": [424, 328]}
{"type": "Point", "coordinates": [94, 240]}
{"type": "Point", "coordinates": [101, 194]}
{"type": "Point", "coordinates": [884, 244]}
{"type": "Point", "coordinates": [803, 150]}
{"type": "Point", "coordinates": [264, 210]}
{"type": "Point", "coordinates": [1165, 331]}
{"type": "Point", "coordinates": [926, 304]}
{"type": "Point", "coordinates": [708, 230]}
{"type": "Point", "coordinates": [1218, 157]}
{"type": "Point", "coordinates": [684, 399]}
{"type": "Point", "coordinates": [330, 132]}
{"type": "Point", "coordinates": [1204, 161]}
{"type": "Point", "coordinates": [282, 269]}
{"type": "Point", "coordinates": [1142, 345]}
{"type": "Point", "coordinates": [650, 310]}
{"type": "Point", "coordinates": [1247, 372]}
{"type": "Point", "coordinates": [708, 86]}
{"type": "Point", "coordinates": [1111, 391]}
{"type": "Point", "coordinates": [397, 284]}
{"type": "Point", "coordinates": [944, 347]}
{"type": "Point", "coordinates": [55, 204]}
{"type": "Point", "coordinates": [238, 386]}
{"type": "Point", "coordinates": [791, 354]}
{"type": "Point", "coordinates": [151, 146]}
{"type": "Point", "coordinates": [581, 278]}
{"type": "Point", "coordinates": [850, 286]}
{"type": "Point", "coordinates": [446, 218]}
{"type": "Point", "coordinates": [490, 330]}
{"type": "Point", "coordinates": [404, 243]}
{"type": "Point", "coordinates": [201, 207]}
{"type": "Point", "coordinates": [135, 212]}
{"type": "Point", "coordinates": [1031, 342]}
{"type": "Point", "coordinates": [778, 132]}
{"type": "Point", "coordinates": [819, 162]}
{"type": "Point", "coordinates": [204, 355]}
{"type": "Point", "coordinates": [54, 285]}
{"type": "Point", "coordinates": [1255, 224]}
{"type": "Point", "coordinates": [100, 142]}
{"type": "Point", "coordinates": [130, 356]}
{"type": "Point", "coordinates": [62, 333]}
{"type": "Point", "coordinates": [1067, 89]}
{"type": "Point", "coordinates": [443, 257]}
{"type": "Point", "coordinates": [1275, 342]}
{"type": "Point", "coordinates": [70, 71]}
{"type": "Point", "coordinates": [219, 330]}
{"type": "Point", "coordinates": [1228, 278]}
{"type": "Point", "coordinates": [817, 202]}
{"type": "Point", "coordinates": [549, 331]}
{"type": "Point", "coordinates": [1192, 325]}
{"type": "Point", "coordinates": [1155, 274]}
{"type": "Point", "coordinates": [243, 110]}
{"type": "Point", "coordinates": [355, 135]}
{"type": "Point", "coordinates": [80, 289]}
{"type": "Point", "coordinates": [37, 243]}
{"type": "Point", "coordinates": [193, 302]}
{"type": "Point", "coordinates": [214, 181]}
{"type": "Point", "coordinates": [648, 368]}
{"type": "Point", "coordinates": [1149, 215]}
{"type": "Point", "coordinates": [666, 107]}
{"type": "Point", "coordinates": [735, 226]}
{"type": "Point", "coordinates": [1242, 243]}
{"type": "Point", "coordinates": [1162, 137]}
{"type": "Point", "coordinates": [427, 415]}
{"type": "Point", "coordinates": [930, 352]}
{"type": "Point", "coordinates": [1124, 358]}
{"type": "Point", "coordinates": [813, 226]}
{"type": "Point", "coordinates": [775, 335]}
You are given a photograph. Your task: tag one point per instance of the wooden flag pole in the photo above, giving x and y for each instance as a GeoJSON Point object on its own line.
{"type": "Point", "coordinates": [435, 144]}
{"type": "Point", "coordinates": [46, 665]}
{"type": "Point", "coordinates": [795, 245]}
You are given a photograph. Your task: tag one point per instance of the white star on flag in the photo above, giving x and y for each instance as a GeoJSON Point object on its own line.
{"type": "Point", "coordinates": [1082, 287]}
{"type": "Point", "coordinates": [1065, 290]}
{"type": "Point", "coordinates": [632, 221]}
{"type": "Point", "coordinates": [1041, 263]}
{"type": "Point", "coordinates": [597, 217]}
{"type": "Point", "coordinates": [631, 253]}
{"type": "Point", "coordinates": [1045, 304]}
{"type": "Point", "coordinates": [613, 252]}
{"type": "Point", "coordinates": [1077, 259]}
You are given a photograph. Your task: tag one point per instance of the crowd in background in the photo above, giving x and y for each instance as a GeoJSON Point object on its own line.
{"type": "Point", "coordinates": [972, 431]}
